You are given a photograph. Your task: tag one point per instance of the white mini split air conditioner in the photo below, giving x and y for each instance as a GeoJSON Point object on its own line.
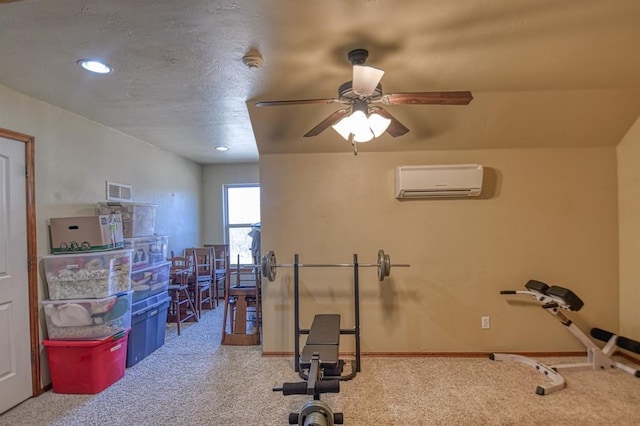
{"type": "Point", "coordinates": [455, 180]}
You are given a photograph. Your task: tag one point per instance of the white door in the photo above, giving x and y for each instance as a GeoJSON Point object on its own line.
{"type": "Point", "coordinates": [15, 348]}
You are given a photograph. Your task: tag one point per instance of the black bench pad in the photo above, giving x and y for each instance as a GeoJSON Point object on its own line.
{"type": "Point", "coordinates": [325, 330]}
{"type": "Point", "coordinates": [569, 297]}
{"type": "Point", "coordinates": [539, 286]}
{"type": "Point", "coordinates": [328, 355]}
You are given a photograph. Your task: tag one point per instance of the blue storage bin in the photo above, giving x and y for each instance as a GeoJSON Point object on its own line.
{"type": "Point", "coordinates": [148, 321]}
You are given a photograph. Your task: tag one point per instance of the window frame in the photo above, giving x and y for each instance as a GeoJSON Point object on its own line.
{"type": "Point", "coordinates": [225, 214]}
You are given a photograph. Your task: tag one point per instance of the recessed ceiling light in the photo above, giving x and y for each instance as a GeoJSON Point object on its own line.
{"type": "Point", "coordinates": [222, 148]}
{"type": "Point", "coordinates": [95, 66]}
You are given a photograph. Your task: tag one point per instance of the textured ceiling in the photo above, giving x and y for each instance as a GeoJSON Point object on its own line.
{"type": "Point", "coordinates": [544, 73]}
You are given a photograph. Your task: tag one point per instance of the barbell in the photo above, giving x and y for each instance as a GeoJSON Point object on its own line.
{"type": "Point", "coordinates": [269, 265]}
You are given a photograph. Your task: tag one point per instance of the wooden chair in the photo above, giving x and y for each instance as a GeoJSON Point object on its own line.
{"type": "Point", "coordinates": [181, 306]}
{"type": "Point", "coordinates": [220, 262]}
{"type": "Point", "coordinates": [201, 277]}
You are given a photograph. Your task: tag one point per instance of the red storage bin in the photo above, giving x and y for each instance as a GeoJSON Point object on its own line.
{"type": "Point", "coordinates": [86, 366]}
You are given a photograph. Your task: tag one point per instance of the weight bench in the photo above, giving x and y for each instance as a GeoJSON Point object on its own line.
{"type": "Point", "coordinates": [318, 362]}
{"type": "Point", "coordinates": [319, 359]}
{"type": "Point", "coordinates": [553, 299]}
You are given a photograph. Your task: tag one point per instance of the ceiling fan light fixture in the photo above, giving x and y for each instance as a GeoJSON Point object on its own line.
{"type": "Point", "coordinates": [343, 127]}
{"type": "Point", "coordinates": [363, 136]}
{"type": "Point", "coordinates": [359, 123]}
{"type": "Point", "coordinates": [378, 124]}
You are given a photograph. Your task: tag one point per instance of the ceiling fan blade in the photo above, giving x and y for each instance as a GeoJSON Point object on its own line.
{"type": "Point", "coordinates": [366, 79]}
{"type": "Point", "coordinates": [428, 98]}
{"type": "Point", "coordinates": [329, 121]}
{"type": "Point", "coordinates": [297, 102]}
{"type": "Point", "coordinates": [395, 128]}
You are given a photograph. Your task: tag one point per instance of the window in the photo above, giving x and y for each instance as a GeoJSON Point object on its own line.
{"type": "Point", "coordinates": [242, 221]}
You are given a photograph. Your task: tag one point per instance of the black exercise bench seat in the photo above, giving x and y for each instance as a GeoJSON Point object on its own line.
{"type": "Point", "coordinates": [323, 339]}
{"type": "Point", "coordinates": [325, 330]}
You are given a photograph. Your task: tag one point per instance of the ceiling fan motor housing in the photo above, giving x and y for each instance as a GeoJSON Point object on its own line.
{"type": "Point", "coordinates": [358, 56]}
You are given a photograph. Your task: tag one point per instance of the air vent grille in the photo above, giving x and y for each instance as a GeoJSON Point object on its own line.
{"type": "Point", "coordinates": [119, 192]}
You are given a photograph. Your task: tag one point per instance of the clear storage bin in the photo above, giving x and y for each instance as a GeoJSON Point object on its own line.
{"type": "Point", "coordinates": [147, 250]}
{"type": "Point", "coordinates": [88, 275]}
{"type": "Point", "coordinates": [151, 280]}
{"type": "Point", "coordinates": [138, 220]}
{"type": "Point", "coordinates": [87, 319]}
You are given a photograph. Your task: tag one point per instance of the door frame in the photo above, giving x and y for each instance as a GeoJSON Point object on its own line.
{"type": "Point", "coordinates": [32, 252]}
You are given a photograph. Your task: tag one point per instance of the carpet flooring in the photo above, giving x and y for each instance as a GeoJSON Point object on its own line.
{"type": "Point", "coordinates": [193, 380]}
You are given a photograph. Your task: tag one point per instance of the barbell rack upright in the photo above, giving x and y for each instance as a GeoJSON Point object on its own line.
{"type": "Point", "coordinates": [296, 311]}
{"type": "Point", "coordinates": [356, 309]}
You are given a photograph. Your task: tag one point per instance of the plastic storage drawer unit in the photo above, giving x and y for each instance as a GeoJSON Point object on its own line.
{"type": "Point", "coordinates": [87, 275]}
{"type": "Point", "coordinates": [151, 280]}
{"type": "Point", "coordinates": [87, 319]}
{"type": "Point", "coordinates": [148, 324]}
{"type": "Point", "coordinates": [147, 251]}
{"type": "Point", "coordinates": [86, 367]}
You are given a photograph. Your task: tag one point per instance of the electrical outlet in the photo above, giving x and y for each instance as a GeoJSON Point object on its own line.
{"type": "Point", "coordinates": [486, 323]}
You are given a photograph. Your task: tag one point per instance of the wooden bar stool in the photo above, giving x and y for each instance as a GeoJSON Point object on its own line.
{"type": "Point", "coordinates": [181, 306]}
{"type": "Point", "coordinates": [201, 277]}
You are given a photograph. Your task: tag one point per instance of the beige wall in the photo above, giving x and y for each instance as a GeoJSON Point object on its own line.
{"type": "Point", "coordinates": [75, 157]}
{"type": "Point", "coordinates": [214, 177]}
{"type": "Point", "coordinates": [545, 214]}
{"type": "Point", "coordinates": [629, 231]}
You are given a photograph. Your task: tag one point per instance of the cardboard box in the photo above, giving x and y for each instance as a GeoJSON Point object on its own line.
{"type": "Point", "coordinates": [86, 233]}
{"type": "Point", "coordinates": [138, 220]}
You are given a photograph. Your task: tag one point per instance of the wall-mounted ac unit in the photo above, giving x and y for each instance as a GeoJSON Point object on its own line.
{"type": "Point", "coordinates": [455, 180]}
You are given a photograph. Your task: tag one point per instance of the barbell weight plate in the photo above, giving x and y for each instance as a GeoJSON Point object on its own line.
{"type": "Point", "coordinates": [269, 266]}
{"type": "Point", "coordinates": [384, 265]}
{"type": "Point", "coordinates": [263, 265]}
{"type": "Point", "coordinates": [272, 266]}
{"type": "Point", "coordinates": [387, 265]}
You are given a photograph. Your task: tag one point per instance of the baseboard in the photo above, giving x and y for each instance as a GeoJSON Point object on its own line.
{"type": "Point", "coordinates": [438, 354]}
{"type": "Point", "coordinates": [43, 389]}
{"type": "Point", "coordinates": [465, 354]}
{"type": "Point", "coordinates": [628, 357]}
{"type": "Point", "coordinates": [624, 355]}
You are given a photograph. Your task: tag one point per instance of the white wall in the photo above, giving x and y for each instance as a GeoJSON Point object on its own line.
{"type": "Point", "coordinates": [214, 177]}
{"type": "Point", "coordinates": [75, 157]}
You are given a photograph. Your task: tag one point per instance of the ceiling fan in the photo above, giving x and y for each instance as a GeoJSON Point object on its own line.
{"type": "Point", "coordinates": [361, 120]}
